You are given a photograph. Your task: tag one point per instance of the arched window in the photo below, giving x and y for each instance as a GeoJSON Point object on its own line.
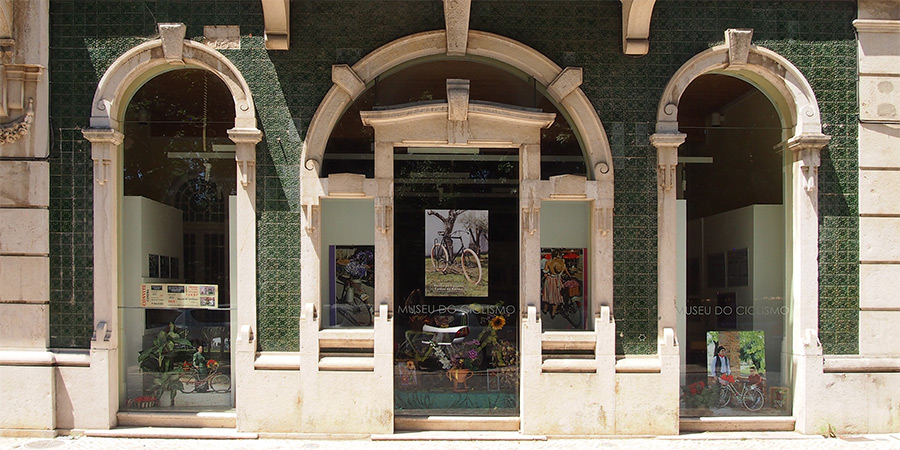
{"type": "Point", "coordinates": [178, 176]}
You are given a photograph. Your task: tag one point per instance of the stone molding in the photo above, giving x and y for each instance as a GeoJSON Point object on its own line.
{"type": "Point", "coordinates": [456, 23]}
{"type": "Point", "coordinates": [122, 79]}
{"type": "Point", "coordinates": [769, 71]}
{"type": "Point", "coordinates": [583, 116]}
{"type": "Point", "coordinates": [636, 15]}
{"type": "Point", "coordinates": [277, 20]}
{"type": "Point", "coordinates": [877, 26]}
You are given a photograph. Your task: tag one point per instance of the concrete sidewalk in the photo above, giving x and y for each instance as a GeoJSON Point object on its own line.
{"type": "Point", "coordinates": [473, 441]}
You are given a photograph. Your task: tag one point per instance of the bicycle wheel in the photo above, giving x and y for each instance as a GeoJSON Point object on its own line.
{"type": "Point", "coordinates": [188, 382]}
{"type": "Point", "coordinates": [571, 311]}
{"type": "Point", "coordinates": [471, 265]}
{"type": "Point", "coordinates": [220, 383]}
{"type": "Point", "coordinates": [753, 399]}
{"type": "Point", "coordinates": [356, 314]}
{"type": "Point", "coordinates": [724, 397]}
{"type": "Point", "coordinates": [440, 259]}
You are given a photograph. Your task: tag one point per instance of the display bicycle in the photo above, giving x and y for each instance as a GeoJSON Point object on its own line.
{"type": "Point", "coordinates": [353, 308]}
{"type": "Point", "coordinates": [442, 259]}
{"type": "Point", "coordinates": [750, 395]}
{"type": "Point", "coordinates": [215, 381]}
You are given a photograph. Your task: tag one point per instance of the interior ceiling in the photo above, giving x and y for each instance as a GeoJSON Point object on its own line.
{"type": "Point", "coordinates": [708, 94]}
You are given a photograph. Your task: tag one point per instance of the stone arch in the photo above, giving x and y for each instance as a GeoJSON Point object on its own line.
{"type": "Point", "coordinates": [793, 98]}
{"type": "Point", "coordinates": [115, 90]}
{"type": "Point", "coordinates": [125, 76]}
{"type": "Point", "coordinates": [562, 85]}
{"type": "Point", "coordinates": [770, 72]}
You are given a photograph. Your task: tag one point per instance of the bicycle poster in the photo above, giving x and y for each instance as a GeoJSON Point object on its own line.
{"type": "Point", "coordinates": [456, 253]}
{"type": "Point", "coordinates": [352, 287]}
{"type": "Point", "coordinates": [564, 288]}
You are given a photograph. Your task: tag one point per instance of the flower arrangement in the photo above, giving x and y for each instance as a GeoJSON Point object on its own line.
{"type": "Point", "coordinates": [212, 365]}
{"type": "Point", "coordinates": [698, 394]}
{"type": "Point", "coordinates": [145, 401]}
{"type": "Point", "coordinates": [728, 378]}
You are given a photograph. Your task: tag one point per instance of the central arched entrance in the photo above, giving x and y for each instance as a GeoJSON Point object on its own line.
{"type": "Point", "coordinates": [423, 188]}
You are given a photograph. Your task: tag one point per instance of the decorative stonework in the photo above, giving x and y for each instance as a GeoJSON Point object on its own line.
{"type": "Point", "coordinates": [636, 16]}
{"type": "Point", "coordinates": [456, 20]}
{"type": "Point", "coordinates": [12, 131]}
{"type": "Point", "coordinates": [738, 42]}
{"type": "Point", "coordinates": [172, 35]}
{"type": "Point", "coordinates": [277, 19]}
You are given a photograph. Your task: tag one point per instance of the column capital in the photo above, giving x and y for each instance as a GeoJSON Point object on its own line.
{"type": "Point", "coordinates": [807, 147]}
{"type": "Point", "coordinates": [245, 135]}
{"type": "Point", "coordinates": [103, 136]}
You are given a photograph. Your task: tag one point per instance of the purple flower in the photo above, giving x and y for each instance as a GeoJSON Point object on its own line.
{"type": "Point", "coordinates": [472, 354]}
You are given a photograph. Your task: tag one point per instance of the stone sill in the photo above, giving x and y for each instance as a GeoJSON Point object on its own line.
{"type": "Point", "coordinates": [858, 364]}
{"type": "Point", "coordinates": [638, 364]}
{"type": "Point", "coordinates": [71, 358]}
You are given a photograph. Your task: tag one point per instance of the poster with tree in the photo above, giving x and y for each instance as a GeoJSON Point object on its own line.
{"type": "Point", "coordinates": [456, 253]}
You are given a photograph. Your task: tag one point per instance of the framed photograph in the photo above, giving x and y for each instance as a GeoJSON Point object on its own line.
{"type": "Point", "coordinates": [564, 288]}
{"type": "Point", "coordinates": [740, 354]}
{"type": "Point", "coordinates": [456, 253]}
{"type": "Point", "coordinates": [154, 267]}
{"type": "Point", "coordinates": [164, 267]}
{"type": "Point", "coordinates": [352, 285]}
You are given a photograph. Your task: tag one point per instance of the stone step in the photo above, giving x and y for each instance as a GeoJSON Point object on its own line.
{"type": "Point", "coordinates": [170, 433]}
{"type": "Point", "coordinates": [455, 423]}
{"type": "Point", "coordinates": [226, 419]}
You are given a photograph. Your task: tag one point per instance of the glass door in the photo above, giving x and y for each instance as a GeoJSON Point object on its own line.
{"type": "Point", "coordinates": [456, 282]}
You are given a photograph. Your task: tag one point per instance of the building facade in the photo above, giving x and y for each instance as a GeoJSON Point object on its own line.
{"type": "Point", "coordinates": [359, 217]}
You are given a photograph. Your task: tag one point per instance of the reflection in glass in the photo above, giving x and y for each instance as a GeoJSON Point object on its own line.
{"type": "Point", "coordinates": [730, 181]}
{"type": "Point", "coordinates": [178, 174]}
{"type": "Point", "coordinates": [457, 341]}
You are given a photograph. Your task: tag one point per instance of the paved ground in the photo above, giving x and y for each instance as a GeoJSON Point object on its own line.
{"type": "Point", "coordinates": [715, 441]}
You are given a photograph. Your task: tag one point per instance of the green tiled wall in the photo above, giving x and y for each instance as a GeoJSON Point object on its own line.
{"type": "Point", "coordinates": [86, 36]}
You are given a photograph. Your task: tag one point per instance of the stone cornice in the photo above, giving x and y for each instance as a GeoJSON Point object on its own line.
{"type": "Point", "coordinates": [877, 26]}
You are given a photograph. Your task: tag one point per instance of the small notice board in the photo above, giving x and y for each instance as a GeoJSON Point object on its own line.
{"type": "Point", "coordinates": [162, 295]}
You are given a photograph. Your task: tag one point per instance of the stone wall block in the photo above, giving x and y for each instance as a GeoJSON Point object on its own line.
{"type": "Point", "coordinates": [878, 333]}
{"type": "Point", "coordinates": [24, 231]}
{"type": "Point", "coordinates": [24, 278]}
{"type": "Point", "coordinates": [879, 239]}
{"type": "Point", "coordinates": [879, 97]}
{"type": "Point", "coordinates": [25, 183]}
{"type": "Point", "coordinates": [28, 394]}
{"type": "Point", "coordinates": [878, 145]}
{"type": "Point", "coordinates": [878, 286]}
{"type": "Point", "coordinates": [24, 326]}
{"type": "Point", "coordinates": [877, 192]}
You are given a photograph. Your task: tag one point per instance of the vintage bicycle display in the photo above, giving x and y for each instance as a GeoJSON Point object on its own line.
{"type": "Point", "coordinates": [194, 380]}
{"type": "Point", "coordinates": [353, 285]}
{"type": "Point", "coordinates": [456, 253]}
{"type": "Point", "coordinates": [442, 256]}
{"type": "Point", "coordinates": [750, 395]}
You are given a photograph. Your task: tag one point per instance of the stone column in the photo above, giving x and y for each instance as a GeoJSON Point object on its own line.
{"type": "Point", "coordinates": [104, 343]}
{"type": "Point", "coordinates": [245, 140]}
{"type": "Point", "coordinates": [667, 252]}
{"type": "Point", "coordinates": [804, 314]}
{"type": "Point", "coordinates": [667, 276]}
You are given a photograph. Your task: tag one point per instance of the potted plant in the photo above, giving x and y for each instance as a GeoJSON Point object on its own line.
{"type": "Point", "coordinates": [159, 360]}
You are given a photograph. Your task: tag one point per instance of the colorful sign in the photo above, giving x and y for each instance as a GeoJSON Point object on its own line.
{"type": "Point", "coordinates": [161, 295]}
